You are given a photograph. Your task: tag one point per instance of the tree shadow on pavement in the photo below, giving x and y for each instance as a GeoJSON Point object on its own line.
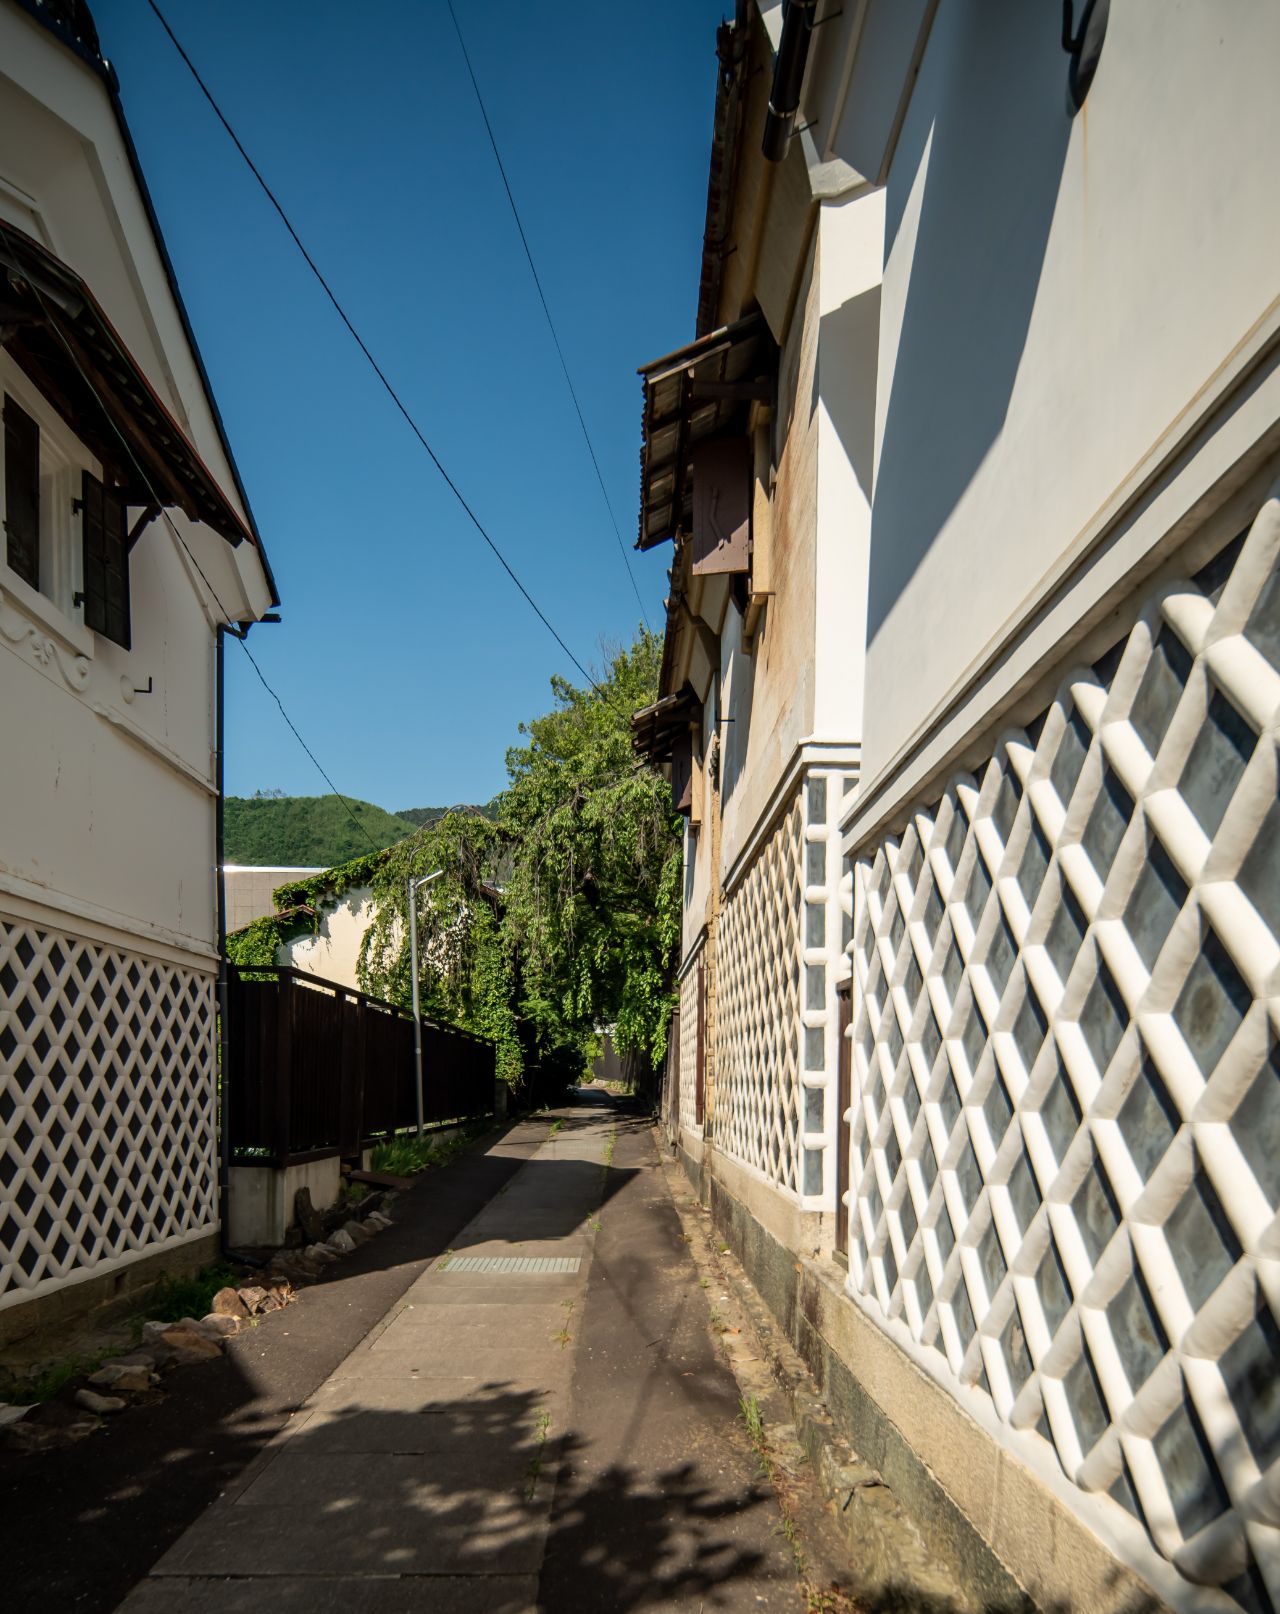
{"type": "Point", "coordinates": [453, 1501]}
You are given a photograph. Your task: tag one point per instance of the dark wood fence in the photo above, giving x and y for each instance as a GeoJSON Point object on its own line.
{"type": "Point", "coordinates": [315, 1068]}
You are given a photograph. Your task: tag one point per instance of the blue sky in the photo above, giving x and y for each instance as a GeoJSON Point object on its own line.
{"type": "Point", "coordinates": [406, 656]}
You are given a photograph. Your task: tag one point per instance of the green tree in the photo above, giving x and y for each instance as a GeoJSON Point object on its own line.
{"type": "Point", "coordinates": [592, 907]}
{"type": "Point", "coordinates": [465, 974]}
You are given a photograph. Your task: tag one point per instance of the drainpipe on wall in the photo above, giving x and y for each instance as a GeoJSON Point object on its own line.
{"type": "Point", "coordinates": [220, 887]}
{"type": "Point", "coordinates": [788, 77]}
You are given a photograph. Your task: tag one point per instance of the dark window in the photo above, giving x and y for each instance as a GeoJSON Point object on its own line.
{"type": "Point", "coordinates": [106, 563]}
{"type": "Point", "coordinates": [22, 492]}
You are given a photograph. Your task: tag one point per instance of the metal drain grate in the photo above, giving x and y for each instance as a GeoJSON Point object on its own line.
{"type": "Point", "coordinates": [510, 1263]}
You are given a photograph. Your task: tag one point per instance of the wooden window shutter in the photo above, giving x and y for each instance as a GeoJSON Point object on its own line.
{"type": "Point", "coordinates": [722, 491]}
{"type": "Point", "coordinates": [106, 563]}
{"type": "Point", "coordinates": [22, 492]}
{"type": "Point", "coordinates": [682, 773]}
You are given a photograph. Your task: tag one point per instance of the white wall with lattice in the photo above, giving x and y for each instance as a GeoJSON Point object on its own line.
{"type": "Point", "coordinates": [780, 939]}
{"type": "Point", "coordinates": [107, 1108]}
{"type": "Point", "coordinates": [689, 1121]}
{"type": "Point", "coordinates": [1066, 1049]}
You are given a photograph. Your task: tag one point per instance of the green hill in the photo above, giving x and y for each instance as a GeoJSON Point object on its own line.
{"type": "Point", "coordinates": [316, 831]}
{"type": "Point", "coordinates": [428, 815]}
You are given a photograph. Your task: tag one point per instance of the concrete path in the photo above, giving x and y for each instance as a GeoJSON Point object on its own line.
{"type": "Point", "coordinates": [540, 1422]}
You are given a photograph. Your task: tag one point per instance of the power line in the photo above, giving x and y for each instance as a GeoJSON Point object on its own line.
{"type": "Point", "coordinates": [361, 344]}
{"type": "Point", "coordinates": [213, 593]}
{"type": "Point", "coordinates": [542, 298]}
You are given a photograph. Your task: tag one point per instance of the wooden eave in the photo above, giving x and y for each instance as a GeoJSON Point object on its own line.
{"type": "Point", "coordinates": [57, 332]}
{"type": "Point", "coordinates": [700, 391]}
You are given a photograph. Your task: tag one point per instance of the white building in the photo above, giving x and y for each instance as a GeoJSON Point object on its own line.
{"type": "Point", "coordinates": [1019, 590]}
{"type": "Point", "coordinates": [127, 545]}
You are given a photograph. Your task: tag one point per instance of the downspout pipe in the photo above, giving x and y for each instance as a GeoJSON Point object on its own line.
{"type": "Point", "coordinates": [220, 854]}
{"type": "Point", "coordinates": [788, 77]}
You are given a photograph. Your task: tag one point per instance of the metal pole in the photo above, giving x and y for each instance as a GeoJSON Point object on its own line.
{"type": "Point", "coordinates": [422, 879]}
{"type": "Point", "coordinates": [417, 1016]}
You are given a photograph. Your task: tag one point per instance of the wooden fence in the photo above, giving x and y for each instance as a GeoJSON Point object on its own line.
{"type": "Point", "coordinates": [315, 1068]}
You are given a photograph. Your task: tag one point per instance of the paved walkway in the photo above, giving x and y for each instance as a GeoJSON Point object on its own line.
{"type": "Point", "coordinates": [540, 1422]}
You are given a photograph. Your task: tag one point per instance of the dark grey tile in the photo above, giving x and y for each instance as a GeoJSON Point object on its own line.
{"type": "Point", "coordinates": [969, 1177]}
{"type": "Point", "coordinates": [1024, 1192]}
{"type": "Point", "coordinates": [1259, 876]}
{"type": "Point", "coordinates": [1034, 865]}
{"type": "Point", "coordinates": [1088, 1407]}
{"type": "Point", "coordinates": [1263, 627]}
{"type": "Point", "coordinates": [1053, 1288]}
{"type": "Point", "coordinates": [991, 1259]}
{"type": "Point", "coordinates": [907, 1222]}
{"type": "Point", "coordinates": [1148, 1119]}
{"type": "Point", "coordinates": [1251, 1369]}
{"type": "Point", "coordinates": [1256, 1126]}
{"type": "Point", "coordinates": [1156, 901]}
{"type": "Point", "coordinates": [962, 1308]}
{"type": "Point", "coordinates": [1202, 1241]}
{"type": "Point", "coordinates": [1103, 1018]}
{"type": "Point", "coordinates": [1104, 831]}
{"type": "Point", "coordinates": [1013, 1346]}
{"type": "Point", "coordinates": [1161, 688]}
{"type": "Point", "coordinates": [977, 890]}
{"type": "Point", "coordinates": [1061, 1113]}
{"type": "Point", "coordinates": [1213, 1001]}
{"type": "Point", "coordinates": [1004, 808]}
{"type": "Point", "coordinates": [1066, 932]}
{"type": "Point", "coordinates": [1001, 954]}
{"type": "Point", "coordinates": [957, 829]}
{"type": "Point", "coordinates": [945, 1233]}
{"type": "Point", "coordinates": [1030, 1026]}
{"type": "Point", "coordinates": [997, 1109]}
{"type": "Point", "coordinates": [1137, 1331]}
{"type": "Point", "coordinates": [1069, 758]}
{"type": "Point", "coordinates": [1217, 759]}
{"type": "Point", "coordinates": [1096, 1211]}
{"type": "Point", "coordinates": [1186, 1462]}
{"type": "Point", "coordinates": [974, 1036]}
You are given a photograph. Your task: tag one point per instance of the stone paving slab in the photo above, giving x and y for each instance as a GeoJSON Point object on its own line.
{"type": "Point", "coordinates": [339, 1594]}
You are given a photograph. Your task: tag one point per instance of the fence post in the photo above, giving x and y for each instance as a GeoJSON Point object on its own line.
{"type": "Point", "coordinates": [281, 1121]}
{"type": "Point", "coordinates": [351, 1095]}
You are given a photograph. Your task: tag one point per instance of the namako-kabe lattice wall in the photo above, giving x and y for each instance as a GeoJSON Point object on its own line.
{"type": "Point", "coordinates": [1066, 1046]}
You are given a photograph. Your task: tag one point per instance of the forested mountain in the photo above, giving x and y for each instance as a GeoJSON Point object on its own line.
{"type": "Point", "coordinates": [315, 831]}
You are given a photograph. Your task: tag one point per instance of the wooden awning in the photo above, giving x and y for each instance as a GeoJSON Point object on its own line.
{"type": "Point", "coordinates": [54, 328]}
{"type": "Point", "coordinates": [697, 393]}
{"type": "Point", "coordinates": [655, 729]}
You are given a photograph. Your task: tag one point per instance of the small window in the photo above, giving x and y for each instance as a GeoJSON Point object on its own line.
{"type": "Point", "coordinates": [106, 562]}
{"type": "Point", "coordinates": [21, 492]}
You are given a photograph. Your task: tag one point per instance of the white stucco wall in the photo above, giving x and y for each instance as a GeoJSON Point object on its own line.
{"type": "Point", "coordinates": [334, 951]}
{"type": "Point", "coordinates": [1061, 298]}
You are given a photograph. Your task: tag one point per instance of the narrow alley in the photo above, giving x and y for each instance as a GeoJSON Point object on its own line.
{"type": "Point", "coordinates": [540, 1419]}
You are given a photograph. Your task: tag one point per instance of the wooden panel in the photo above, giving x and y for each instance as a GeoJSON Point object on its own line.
{"type": "Point", "coordinates": [722, 489]}
{"type": "Point", "coordinates": [682, 773]}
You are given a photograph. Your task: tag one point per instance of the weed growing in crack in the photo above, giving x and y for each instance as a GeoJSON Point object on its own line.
{"type": "Point", "coordinates": [534, 1470]}
{"type": "Point", "coordinates": [753, 1421]}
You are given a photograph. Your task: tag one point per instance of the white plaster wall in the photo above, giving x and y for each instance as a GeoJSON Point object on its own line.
{"type": "Point", "coordinates": [334, 951]}
{"type": "Point", "coordinates": [850, 252]}
{"type": "Point", "coordinates": [1059, 296]}
{"type": "Point", "coordinates": [65, 177]}
{"type": "Point", "coordinates": [107, 790]}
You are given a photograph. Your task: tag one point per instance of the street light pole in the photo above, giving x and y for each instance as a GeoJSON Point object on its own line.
{"type": "Point", "coordinates": [414, 883]}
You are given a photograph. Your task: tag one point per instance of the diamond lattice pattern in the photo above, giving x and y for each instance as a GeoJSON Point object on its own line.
{"type": "Point", "coordinates": [107, 1125]}
{"type": "Point", "coordinates": [689, 1048]}
{"type": "Point", "coordinates": [758, 998]}
{"type": "Point", "coordinates": [1066, 1130]}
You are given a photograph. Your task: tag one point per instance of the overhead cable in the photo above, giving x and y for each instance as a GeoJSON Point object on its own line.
{"type": "Point", "coordinates": [363, 346]}
{"type": "Point", "coordinates": [542, 298]}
